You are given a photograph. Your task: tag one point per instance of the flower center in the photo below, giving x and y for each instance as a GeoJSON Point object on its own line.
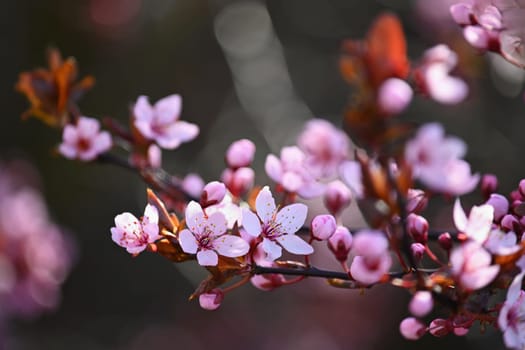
{"type": "Point", "coordinates": [272, 230]}
{"type": "Point", "coordinates": [205, 240]}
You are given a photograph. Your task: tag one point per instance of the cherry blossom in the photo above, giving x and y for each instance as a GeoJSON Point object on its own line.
{"type": "Point", "coordinates": [84, 140]}
{"type": "Point", "coordinates": [277, 228]}
{"type": "Point", "coordinates": [394, 96]}
{"type": "Point", "coordinates": [471, 265]}
{"type": "Point", "coordinates": [135, 235]}
{"type": "Point", "coordinates": [291, 173]}
{"type": "Point", "coordinates": [207, 237]}
{"type": "Point", "coordinates": [240, 153]}
{"type": "Point", "coordinates": [511, 318]}
{"type": "Point", "coordinates": [372, 259]}
{"type": "Point", "coordinates": [340, 243]}
{"type": "Point", "coordinates": [160, 123]}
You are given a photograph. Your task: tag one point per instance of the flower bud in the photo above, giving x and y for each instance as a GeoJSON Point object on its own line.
{"type": "Point", "coordinates": [268, 282]}
{"type": "Point", "coordinates": [477, 37]}
{"type": "Point", "coordinates": [323, 227]}
{"type": "Point", "coordinates": [238, 181]}
{"type": "Point", "coordinates": [510, 223]}
{"type": "Point", "coordinates": [488, 184]}
{"type": "Point", "coordinates": [211, 300]}
{"type": "Point", "coordinates": [461, 13]}
{"type": "Point", "coordinates": [418, 251]}
{"type": "Point", "coordinates": [193, 184]}
{"type": "Point", "coordinates": [521, 188]}
{"type": "Point", "coordinates": [440, 327]}
{"type": "Point", "coordinates": [412, 329]}
{"type": "Point", "coordinates": [370, 244]}
{"type": "Point", "coordinates": [337, 197]}
{"type": "Point", "coordinates": [154, 156]}
{"type": "Point", "coordinates": [213, 193]}
{"type": "Point", "coordinates": [340, 243]}
{"type": "Point", "coordinates": [445, 241]}
{"type": "Point", "coordinates": [394, 96]}
{"type": "Point", "coordinates": [421, 303]}
{"type": "Point", "coordinates": [416, 200]}
{"type": "Point", "coordinates": [417, 227]}
{"type": "Point", "coordinates": [500, 205]}
{"type": "Point", "coordinates": [240, 153]}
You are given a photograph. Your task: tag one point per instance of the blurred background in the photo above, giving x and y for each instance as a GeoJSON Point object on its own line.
{"type": "Point", "coordinates": [251, 69]}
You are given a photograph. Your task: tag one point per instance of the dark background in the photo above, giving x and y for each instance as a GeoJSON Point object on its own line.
{"type": "Point", "coordinates": [160, 47]}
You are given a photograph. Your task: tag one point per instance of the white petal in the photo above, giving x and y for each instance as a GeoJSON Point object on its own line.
{"type": "Point", "coordinates": [143, 110]}
{"type": "Point", "coordinates": [87, 128]}
{"type": "Point", "coordinates": [207, 258]}
{"type": "Point", "coordinates": [102, 142]}
{"type": "Point", "coordinates": [460, 218]}
{"type": "Point", "coordinates": [265, 205]}
{"type": "Point", "coordinates": [272, 249]}
{"type": "Point", "coordinates": [187, 242]}
{"type": "Point", "coordinates": [151, 215]}
{"type": "Point", "coordinates": [292, 217]}
{"type": "Point", "coordinates": [167, 109]}
{"type": "Point", "coordinates": [231, 246]}
{"type": "Point", "coordinates": [195, 217]}
{"type": "Point", "coordinates": [217, 224]}
{"type": "Point", "coordinates": [183, 131]}
{"type": "Point", "coordinates": [295, 245]}
{"type": "Point", "coordinates": [70, 134]}
{"type": "Point", "coordinates": [128, 222]}
{"type": "Point", "coordinates": [251, 223]}
{"type": "Point", "coordinates": [515, 288]}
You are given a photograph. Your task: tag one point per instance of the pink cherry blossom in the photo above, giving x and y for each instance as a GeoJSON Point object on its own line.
{"type": "Point", "coordinates": [238, 181]}
{"type": "Point", "coordinates": [193, 185]}
{"type": "Point", "coordinates": [240, 153]}
{"type": "Point", "coordinates": [211, 300]}
{"type": "Point", "coordinates": [435, 161]}
{"type": "Point", "coordinates": [511, 319]}
{"type": "Point", "coordinates": [470, 264]}
{"type": "Point", "coordinates": [433, 78]}
{"type": "Point", "coordinates": [479, 223]}
{"type": "Point", "coordinates": [323, 227]}
{"type": "Point", "coordinates": [135, 235]}
{"type": "Point", "coordinates": [84, 140]}
{"type": "Point", "coordinates": [213, 193]}
{"type": "Point", "coordinates": [292, 174]}
{"type": "Point", "coordinates": [372, 258]}
{"type": "Point", "coordinates": [231, 211]}
{"type": "Point", "coordinates": [207, 237]}
{"type": "Point", "coordinates": [277, 228]}
{"type": "Point", "coordinates": [160, 123]}
{"type": "Point", "coordinates": [324, 146]}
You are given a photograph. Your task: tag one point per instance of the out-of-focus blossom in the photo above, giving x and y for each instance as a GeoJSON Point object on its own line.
{"type": "Point", "coordinates": [511, 319]}
{"type": "Point", "coordinates": [417, 250]}
{"type": "Point", "coordinates": [471, 265]}
{"type": "Point", "coordinates": [277, 228]}
{"type": "Point", "coordinates": [351, 174]}
{"type": "Point", "coordinates": [421, 303]}
{"type": "Point", "coordinates": [135, 235]}
{"type": "Point", "coordinates": [291, 173]}
{"type": "Point", "coordinates": [267, 282]}
{"type": "Point", "coordinates": [372, 258]}
{"type": "Point", "coordinates": [207, 237]}
{"type": "Point", "coordinates": [211, 300]}
{"type": "Point", "coordinates": [488, 184]}
{"type": "Point", "coordinates": [231, 211]}
{"type": "Point", "coordinates": [240, 153]}
{"type": "Point", "coordinates": [412, 329]}
{"type": "Point", "coordinates": [340, 243]}
{"type": "Point", "coordinates": [238, 181]}
{"type": "Point", "coordinates": [492, 25]}
{"type": "Point", "coordinates": [416, 200]}
{"type": "Point", "coordinates": [324, 146]}
{"type": "Point", "coordinates": [500, 205]}
{"type": "Point", "coordinates": [337, 196]}
{"type": "Point", "coordinates": [435, 161]}
{"type": "Point", "coordinates": [433, 76]}
{"type": "Point", "coordinates": [160, 123]}
{"type": "Point", "coordinates": [323, 227]}
{"type": "Point", "coordinates": [417, 227]}
{"type": "Point", "coordinates": [394, 96]}
{"type": "Point", "coordinates": [445, 241]}
{"type": "Point", "coordinates": [84, 141]}
{"type": "Point", "coordinates": [154, 156]}
{"type": "Point", "coordinates": [193, 185]}
{"type": "Point", "coordinates": [479, 223]}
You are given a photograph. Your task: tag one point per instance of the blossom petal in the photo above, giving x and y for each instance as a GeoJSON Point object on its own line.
{"type": "Point", "coordinates": [183, 131]}
{"type": "Point", "coordinates": [167, 109]}
{"type": "Point", "coordinates": [291, 218]}
{"type": "Point", "coordinates": [231, 246]}
{"type": "Point", "coordinates": [273, 250]}
{"type": "Point", "coordinates": [265, 205]}
{"type": "Point", "coordinates": [273, 168]}
{"type": "Point", "coordinates": [460, 218]}
{"type": "Point", "coordinates": [128, 222]}
{"type": "Point", "coordinates": [251, 223]}
{"type": "Point", "coordinates": [207, 258]}
{"type": "Point", "coordinates": [87, 128]}
{"type": "Point", "coordinates": [102, 142]}
{"type": "Point", "coordinates": [151, 215]}
{"type": "Point", "coordinates": [479, 278]}
{"type": "Point", "coordinates": [480, 222]}
{"type": "Point", "coordinates": [195, 217]}
{"type": "Point", "coordinates": [295, 244]}
{"type": "Point", "coordinates": [70, 134]}
{"type": "Point", "coordinates": [217, 224]}
{"type": "Point", "coordinates": [67, 150]}
{"type": "Point", "coordinates": [515, 288]}
{"type": "Point", "coordinates": [187, 242]}
{"type": "Point", "coordinates": [142, 110]}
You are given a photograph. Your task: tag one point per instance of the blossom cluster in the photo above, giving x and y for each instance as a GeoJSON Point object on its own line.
{"type": "Point", "coordinates": [243, 232]}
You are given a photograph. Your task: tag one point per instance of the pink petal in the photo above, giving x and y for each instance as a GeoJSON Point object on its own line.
{"type": "Point", "coordinates": [217, 224]}
{"type": "Point", "coordinates": [167, 109]}
{"type": "Point", "coordinates": [187, 242]}
{"type": "Point", "coordinates": [183, 131]}
{"type": "Point", "coordinates": [231, 246]}
{"type": "Point", "coordinates": [144, 127]}
{"type": "Point", "coordinates": [143, 111]}
{"type": "Point", "coordinates": [207, 258]}
{"type": "Point", "coordinates": [167, 141]}
{"type": "Point", "coordinates": [273, 168]}
{"type": "Point", "coordinates": [364, 274]}
{"type": "Point", "coordinates": [351, 175]}
{"type": "Point", "coordinates": [102, 142]}
{"type": "Point", "coordinates": [273, 250]}
{"type": "Point", "coordinates": [67, 151]}
{"type": "Point", "coordinates": [295, 245]}
{"type": "Point", "coordinates": [128, 222]}
{"type": "Point", "coordinates": [490, 18]}
{"type": "Point", "coordinates": [480, 222]}
{"type": "Point", "coordinates": [292, 217]}
{"type": "Point", "coordinates": [476, 36]}
{"type": "Point", "coordinates": [461, 13]}
{"type": "Point", "coordinates": [70, 135]}
{"type": "Point", "coordinates": [514, 290]}
{"type": "Point", "coordinates": [292, 157]}
{"type": "Point", "coordinates": [251, 223]}
{"type": "Point", "coordinates": [195, 220]}
{"type": "Point", "coordinates": [448, 90]}
{"type": "Point", "coordinates": [460, 218]}
{"type": "Point", "coordinates": [265, 205]}
{"type": "Point", "coordinates": [87, 128]}
{"type": "Point", "coordinates": [480, 278]}
{"type": "Point", "coordinates": [291, 181]}
{"type": "Point", "coordinates": [151, 214]}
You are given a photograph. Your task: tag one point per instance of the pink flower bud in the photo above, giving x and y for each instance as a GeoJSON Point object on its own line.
{"type": "Point", "coordinates": [445, 241]}
{"type": "Point", "coordinates": [477, 37]}
{"type": "Point", "coordinates": [193, 184]}
{"type": "Point", "coordinates": [418, 251]}
{"type": "Point", "coordinates": [211, 300]}
{"type": "Point", "coordinates": [421, 303]}
{"type": "Point", "coordinates": [417, 227]}
{"type": "Point", "coordinates": [411, 328]}
{"type": "Point", "coordinates": [461, 13]}
{"type": "Point", "coordinates": [416, 200]}
{"type": "Point", "coordinates": [240, 153]}
{"type": "Point", "coordinates": [510, 223]}
{"type": "Point", "coordinates": [268, 282]}
{"type": "Point", "coordinates": [521, 188]}
{"type": "Point", "coordinates": [323, 227]}
{"type": "Point", "coordinates": [337, 197]}
{"type": "Point", "coordinates": [440, 327]}
{"type": "Point", "coordinates": [370, 243]}
{"type": "Point", "coordinates": [213, 193]}
{"type": "Point", "coordinates": [489, 184]}
{"type": "Point", "coordinates": [394, 96]}
{"type": "Point", "coordinates": [154, 156]}
{"type": "Point", "coordinates": [238, 181]}
{"type": "Point", "coordinates": [500, 204]}
{"type": "Point", "coordinates": [340, 243]}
